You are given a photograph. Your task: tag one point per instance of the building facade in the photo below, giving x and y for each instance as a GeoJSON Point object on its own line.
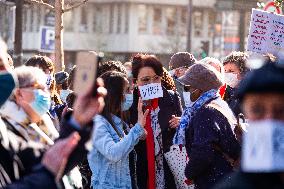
{"type": "Point", "coordinates": [121, 28]}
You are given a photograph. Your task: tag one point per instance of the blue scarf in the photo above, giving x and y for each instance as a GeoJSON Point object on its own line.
{"type": "Point", "coordinates": [188, 113]}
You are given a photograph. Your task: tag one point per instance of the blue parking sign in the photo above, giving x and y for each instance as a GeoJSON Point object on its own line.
{"type": "Point", "coordinates": [47, 39]}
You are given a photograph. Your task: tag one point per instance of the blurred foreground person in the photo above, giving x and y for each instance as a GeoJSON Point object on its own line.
{"type": "Point", "coordinates": [16, 149]}
{"type": "Point", "coordinates": [262, 97]}
{"type": "Point", "coordinates": [179, 64]}
{"type": "Point", "coordinates": [27, 108]}
{"type": "Point", "coordinates": [152, 169]}
{"type": "Point", "coordinates": [109, 158]}
{"type": "Point", "coordinates": [206, 128]}
{"type": "Point", "coordinates": [235, 70]}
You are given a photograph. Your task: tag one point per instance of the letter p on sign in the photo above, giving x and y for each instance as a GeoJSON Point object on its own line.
{"type": "Point", "coordinates": [47, 39]}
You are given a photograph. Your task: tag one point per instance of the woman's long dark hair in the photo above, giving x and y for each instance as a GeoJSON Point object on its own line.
{"type": "Point", "coordinates": [114, 83]}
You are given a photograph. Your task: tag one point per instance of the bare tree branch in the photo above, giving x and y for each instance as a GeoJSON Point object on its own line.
{"type": "Point", "coordinates": [40, 2]}
{"type": "Point", "coordinates": [75, 6]}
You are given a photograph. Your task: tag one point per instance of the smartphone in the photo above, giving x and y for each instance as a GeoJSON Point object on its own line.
{"type": "Point", "coordinates": [87, 63]}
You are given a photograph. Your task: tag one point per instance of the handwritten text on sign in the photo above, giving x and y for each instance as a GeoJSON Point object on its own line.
{"type": "Point", "coordinates": [151, 91]}
{"type": "Point", "coordinates": [266, 33]}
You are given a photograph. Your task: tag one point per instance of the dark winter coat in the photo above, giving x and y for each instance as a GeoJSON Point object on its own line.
{"type": "Point", "coordinates": [34, 175]}
{"type": "Point", "coordinates": [232, 99]}
{"type": "Point", "coordinates": [210, 128]}
{"type": "Point", "coordinates": [169, 105]}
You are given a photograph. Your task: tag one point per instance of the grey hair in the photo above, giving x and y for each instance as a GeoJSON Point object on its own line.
{"type": "Point", "coordinates": [209, 60]}
{"type": "Point", "coordinates": [28, 76]}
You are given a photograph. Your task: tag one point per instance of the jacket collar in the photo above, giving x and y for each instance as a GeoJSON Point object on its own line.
{"type": "Point", "coordinates": [14, 112]}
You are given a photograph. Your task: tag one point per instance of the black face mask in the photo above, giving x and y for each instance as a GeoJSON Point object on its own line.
{"type": "Point", "coordinates": [7, 85]}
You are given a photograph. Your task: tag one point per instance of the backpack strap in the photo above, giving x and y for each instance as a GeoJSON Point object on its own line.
{"type": "Point", "coordinates": [234, 163]}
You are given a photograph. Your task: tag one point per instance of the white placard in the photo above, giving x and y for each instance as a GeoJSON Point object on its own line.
{"type": "Point", "coordinates": [263, 147]}
{"type": "Point", "coordinates": [266, 34]}
{"type": "Point", "coordinates": [151, 91]}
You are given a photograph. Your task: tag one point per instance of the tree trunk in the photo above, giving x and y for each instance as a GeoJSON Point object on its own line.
{"type": "Point", "coordinates": [18, 51]}
{"type": "Point", "coordinates": [189, 24]}
{"type": "Point", "coordinates": [59, 53]}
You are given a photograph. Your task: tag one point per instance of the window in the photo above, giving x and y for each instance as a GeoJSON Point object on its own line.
{"type": "Point", "coordinates": [143, 17]}
{"type": "Point", "coordinates": [25, 20]}
{"type": "Point", "coordinates": [84, 20]}
{"type": "Point", "coordinates": [212, 20]}
{"type": "Point", "coordinates": [197, 23]}
{"type": "Point", "coordinates": [97, 20]}
{"type": "Point", "coordinates": [119, 17]}
{"type": "Point", "coordinates": [171, 14]}
{"type": "Point", "coordinates": [183, 22]}
{"type": "Point", "coordinates": [126, 19]}
{"type": "Point", "coordinates": [157, 21]}
{"type": "Point", "coordinates": [38, 17]}
{"type": "Point", "coordinates": [32, 18]}
{"type": "Point", "coordinates": [68, 21]}
{"type": "Point", "coordinates": [111, 23]}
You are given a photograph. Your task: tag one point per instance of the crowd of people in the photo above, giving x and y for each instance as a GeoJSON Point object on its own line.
{"type": "Point", "coordinates": [52, 137]}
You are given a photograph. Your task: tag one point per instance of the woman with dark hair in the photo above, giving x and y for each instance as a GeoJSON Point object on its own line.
{"type": "Point", "coordinates": [152, 168]}
{"type": "Point", "coordinates": [235, 69]}
{"type": "Point", "coordinates": [109, 159]}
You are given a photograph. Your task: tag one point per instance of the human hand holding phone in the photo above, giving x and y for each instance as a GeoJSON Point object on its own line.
{"type": "Point", "coordinates": [142, 116]}
{"type": "Point", "coordinates": [87, 105]}
{"type": "Point", "coordinates": [86, 72]}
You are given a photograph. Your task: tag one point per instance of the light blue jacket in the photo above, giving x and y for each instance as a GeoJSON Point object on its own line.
{"type": "Point", "coordinates": [108, 159]}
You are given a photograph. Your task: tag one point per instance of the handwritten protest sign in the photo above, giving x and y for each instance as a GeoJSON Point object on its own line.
{"type": "Point", "coordinates": [263, 147]}
{"type": "Point", "coordinates": [266, 34]}
{"type": "Point", "coordinates": [151, 91]}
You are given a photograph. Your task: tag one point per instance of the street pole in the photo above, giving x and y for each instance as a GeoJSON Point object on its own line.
{"type": "Point", "coordinates": [59, 53]}
{"type": "Point", "coordinates": [189, 24]}
{"type": "Point", "coordinates": [18, 51]}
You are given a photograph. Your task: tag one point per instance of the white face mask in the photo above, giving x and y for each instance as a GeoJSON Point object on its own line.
{"type": "Point", "coordinates": [263, 147]}
{"type": "Point", "coordinates": [187, 100]}
{"type": "Point", "coordinates": [231, 79]}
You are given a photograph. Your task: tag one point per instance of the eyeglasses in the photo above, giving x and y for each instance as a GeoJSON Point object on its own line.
{"type": "Point", "coordinates": [149, 79]}
{"type": "Point", "coordinates": [35, 86]}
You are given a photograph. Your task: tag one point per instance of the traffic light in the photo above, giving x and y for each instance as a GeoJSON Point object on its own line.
{"type": "Point", "coordinates": [204, 48]}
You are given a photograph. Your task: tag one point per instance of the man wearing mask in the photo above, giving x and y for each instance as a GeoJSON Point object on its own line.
{"type": "Point", "coordinates": [179, 64]}
{"type": "Point", "coordinates": [262, 98]}
{"type": "Point", "coordinates": [235, 69]}
{"type": "Point", "coordinates": [206, 128]}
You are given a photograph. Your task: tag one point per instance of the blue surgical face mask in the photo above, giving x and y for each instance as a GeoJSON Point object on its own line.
{"type": "Point", "coordinates": [64, 94]}
{"type": "Point", "coordinates": [7, 84]}
{"type": "Point", "coordinates": [41, 102]}
{"type": "Point", "coordinates": [127, 103]}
